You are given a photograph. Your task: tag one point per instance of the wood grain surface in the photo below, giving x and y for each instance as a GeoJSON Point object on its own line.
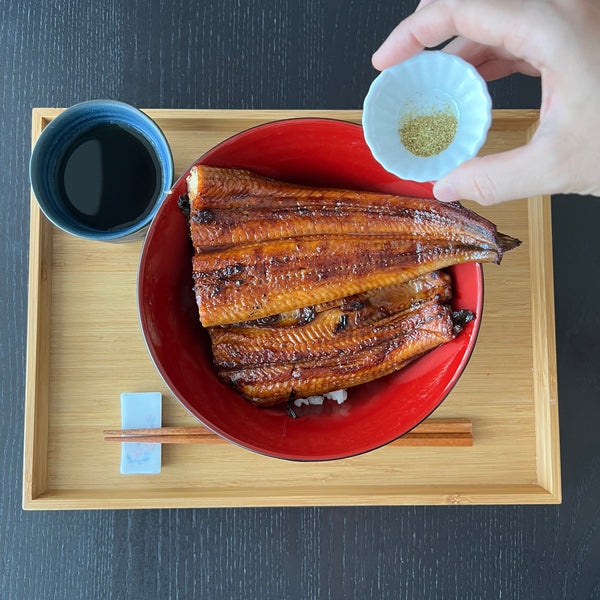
{"type": "Point", "coordinates": [273, 54]}
{"type": "Point", "coordinates": [85, 347]}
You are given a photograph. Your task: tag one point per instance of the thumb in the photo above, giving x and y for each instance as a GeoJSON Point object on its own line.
{"type": "Point", "coordinates": [518, 173]}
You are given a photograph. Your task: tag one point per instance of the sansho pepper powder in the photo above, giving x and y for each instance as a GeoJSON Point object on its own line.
{"type": "Point", "coordinates": [428, 135]}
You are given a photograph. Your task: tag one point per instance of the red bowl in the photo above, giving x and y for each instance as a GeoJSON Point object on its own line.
{"type": "Point", "coordinates": [309, 151]}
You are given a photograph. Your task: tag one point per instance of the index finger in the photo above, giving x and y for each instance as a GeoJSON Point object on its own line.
{"type": "Point", "coordinates": [503, 24]}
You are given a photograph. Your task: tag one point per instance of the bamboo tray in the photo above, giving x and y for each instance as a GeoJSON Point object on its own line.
{"type": "Point", "coordinates": [85, 347]}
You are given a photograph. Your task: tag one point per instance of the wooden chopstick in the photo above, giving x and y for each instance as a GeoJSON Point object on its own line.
{"type": "Point", "coordinates": [163, 431]}
{"type": "Point", "coordinates": [432, 432]}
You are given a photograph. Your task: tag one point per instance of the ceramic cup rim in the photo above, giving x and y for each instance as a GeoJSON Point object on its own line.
{"type": "Point", "coordinates": [59, 132]}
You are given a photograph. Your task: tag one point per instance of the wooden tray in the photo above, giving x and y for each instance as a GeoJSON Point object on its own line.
{"type": "Point", "coordinates": [85, 347]}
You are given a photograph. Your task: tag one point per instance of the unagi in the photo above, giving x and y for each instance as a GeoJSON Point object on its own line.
{"type": "Point", "coordinates": [307, 290]}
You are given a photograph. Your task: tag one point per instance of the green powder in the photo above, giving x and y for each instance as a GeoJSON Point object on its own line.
{"type": "Point", "coordinates": [427, 135]}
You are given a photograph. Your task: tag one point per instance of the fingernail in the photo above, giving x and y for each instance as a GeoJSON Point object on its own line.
{"type": "Point", "coordinates": [445, 192]}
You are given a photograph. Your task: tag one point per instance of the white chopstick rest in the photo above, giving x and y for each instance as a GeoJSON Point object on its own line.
{"type": "Point", "coordinates": [141, 410]}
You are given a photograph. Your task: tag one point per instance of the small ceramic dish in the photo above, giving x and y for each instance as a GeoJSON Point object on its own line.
{"type": "Point", "coordinates": [425, 116]}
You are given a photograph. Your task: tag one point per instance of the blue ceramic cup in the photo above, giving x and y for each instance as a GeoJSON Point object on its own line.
{"type": "Point", "coordinates": [85, 146]}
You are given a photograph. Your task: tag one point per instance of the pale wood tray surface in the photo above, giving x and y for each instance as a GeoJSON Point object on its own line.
{"type": "Point", "coordinates": [85, 347]}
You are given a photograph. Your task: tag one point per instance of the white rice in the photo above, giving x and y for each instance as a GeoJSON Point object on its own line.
{"type": "Point", "coordinates": [338, 395]}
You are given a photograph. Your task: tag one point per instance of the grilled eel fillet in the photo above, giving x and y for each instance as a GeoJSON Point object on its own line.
{"type": "Point", "coordinates": [341, 359]}
{"type": "Point", "coordinates": [341, 326]}
{"type": "Point", "coordinates": [340, 344]}
{"type": "Point", "coordinates": [264, 247]}
{"type": "Point", "coordinates": [306, 290]}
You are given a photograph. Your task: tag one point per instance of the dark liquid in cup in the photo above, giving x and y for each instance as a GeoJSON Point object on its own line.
{"type": "Point", "coordinates": [109, 177]}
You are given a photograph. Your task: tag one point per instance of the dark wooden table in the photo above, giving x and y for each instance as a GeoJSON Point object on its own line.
{"type": "Point", "coordinates": [273, 54]}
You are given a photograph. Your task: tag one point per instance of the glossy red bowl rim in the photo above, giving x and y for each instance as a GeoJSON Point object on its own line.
{"type": "Point", "coordinates": [261, 449]}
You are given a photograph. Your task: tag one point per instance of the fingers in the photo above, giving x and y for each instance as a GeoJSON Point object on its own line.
{"type": "Point", "coordinates": [424, 3]}
{"type": "Point", "coordinates": [496, 69]}
{"type": "Point", "coordinates": [492, 63]}
{"type": "Point", "coordinates": [473, 52]}
{"type": "Point", "coordinates": [500, 24]}
{"type": "Point", "coordinates": [520, 173]}
{"type": "Point", "coordinates": [413, 34]}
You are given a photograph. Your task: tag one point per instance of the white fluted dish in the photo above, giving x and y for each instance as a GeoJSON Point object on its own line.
{"type": "Point", "coordinates": [427, 83]}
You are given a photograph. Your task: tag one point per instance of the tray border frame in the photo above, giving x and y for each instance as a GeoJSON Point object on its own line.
{"type": "Point", "coordinates": [545, 490]}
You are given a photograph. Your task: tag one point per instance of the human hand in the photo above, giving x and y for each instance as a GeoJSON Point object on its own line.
{"type": "Point", "coordinates": [558, 40]}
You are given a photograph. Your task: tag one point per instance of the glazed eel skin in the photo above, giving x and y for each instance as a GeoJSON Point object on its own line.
{"type": "Point", "coordinates": [307, 290]}
{"type": "Point", "coordinates": [337, 345]}
{"type": "Point", "coordinates": [265, 247]}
